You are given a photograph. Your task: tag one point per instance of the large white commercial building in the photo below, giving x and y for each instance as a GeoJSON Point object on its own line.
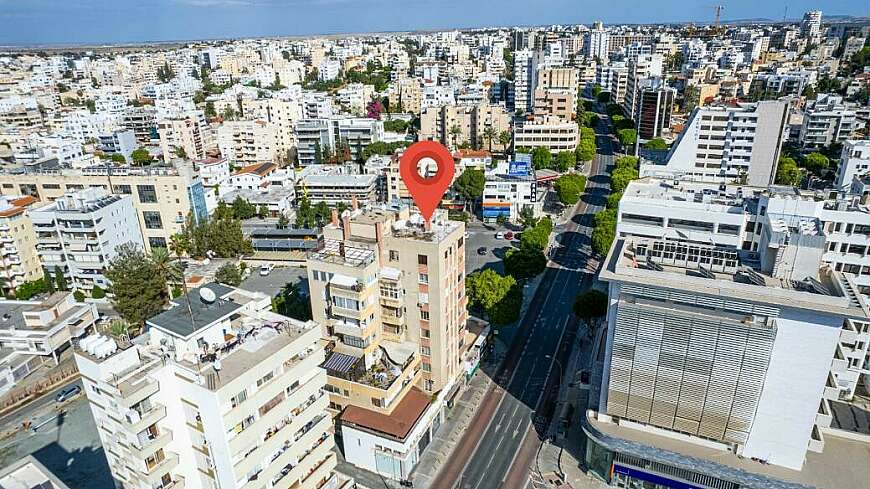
{"type": "Point", "coordinates": [81, 231]}
{"type": "Point", "coordinates": [220, 392]}
{"type": "Point", "coordinates": [727, 144]}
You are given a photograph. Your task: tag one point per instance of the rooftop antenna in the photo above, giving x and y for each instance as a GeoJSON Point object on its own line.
{"type": "Point", "coordinates": [719, 9]}
{"type": "Point", "coordinates": [785, 13]}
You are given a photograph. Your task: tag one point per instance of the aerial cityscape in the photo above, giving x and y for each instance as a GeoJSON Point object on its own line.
{"type": "Point", "coordinates": [334, 244]}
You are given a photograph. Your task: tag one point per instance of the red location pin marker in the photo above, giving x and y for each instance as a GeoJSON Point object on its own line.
{"type": "Point", "coordinates": [427, 192]}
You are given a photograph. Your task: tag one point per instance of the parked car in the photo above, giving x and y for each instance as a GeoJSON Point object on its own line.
{"type": "Point", "coordinates": [509, 236]}
{"type": "Point", "coordinates": [481, 250]}
{"type": "Point", "coordinates": [265, 270]}
{"type": "Point", "coordinates": [68, 393]}
{"type": "Point", "coordinates": [499, 235]}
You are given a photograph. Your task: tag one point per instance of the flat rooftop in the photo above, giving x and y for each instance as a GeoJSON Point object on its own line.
{"type": "Point", "coordinates": [842, 464]}
{"type": "Point", "coordinates": [12, 311]}
{"type": "Point", "coordinates": [626, 263]}
{"type": "Point", "coordinates": [190, 312]}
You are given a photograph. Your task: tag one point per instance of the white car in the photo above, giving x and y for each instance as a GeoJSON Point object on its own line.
{"type": "Point", "coordinates": [499, 235]}
{"type": "Point", "coordinates": [265, 270]}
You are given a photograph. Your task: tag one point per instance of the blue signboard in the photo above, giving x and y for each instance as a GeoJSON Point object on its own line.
{"type": "Point", "coordinates": [519, 168]}
{"type": "Point", "coordinates": [653, 478]}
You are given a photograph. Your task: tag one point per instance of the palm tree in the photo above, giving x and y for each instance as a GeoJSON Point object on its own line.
{"type": "Point", "coordinates": [166, 267]}
{"type": "Point", "coordinates": [455, 131]}
{"type": "Point", "coordinates": [489, 134]}
{"type": "Point", "coordinates": [504, 138]}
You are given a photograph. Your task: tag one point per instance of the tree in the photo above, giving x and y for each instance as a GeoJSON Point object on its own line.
{"type": "Point", "coordinates": [210, 110]}
{"type": "Point", "coordinates": [220, 234]}
{"type": "Point", "coordinates": [570, 187]}
{"type": "Point", "coordinates": [470, 184]}
{"type": "Point", "coordinates": [263, 211]}
{"type": "Point", "coordinates": [627, 136]}
{"type": "Point", "coordinates": [242, 209]}
{"type": "Point", "coordinates": [541, 158]}
{"type": "Point", "coordinates": [292, 302]}
{"type": "Point", "coordinates": [527, 216]}
{"type": "Point", "coordinates": [79, 296]}
{"type": "Point", "coordinates": [816, 162]}
{"type": "Point", "coordinates": [586, 150]}
{"type": "Point", "coordinates": [47, 280]}
{"type": "Point", "coordinates": [118, 158]}
{"type": "Point", "coordinates": [455, 131]}
{"type": "Point", "coordinates": [488, 135]}
{"type": "Point", "coordinates": [613, 200]}
{"type": "Point", "coordinates": [590, 305]}
{"type": "Point", "coordinates": [787, 172]}
{"type": "Point", "coordinates": [596, 91]}
{"type": "Point", "coordinates": [603, 231]}
{"type": "Point", "coordinates": [139, 291]}
{"type": "Point", "coordinates": [140, 157]}
{"type": "Point", "coordinates": [487, 288]}
{"type": "Point", "coordinates": [508, 309]}
{"type": "Point", "coordinates": [318, 153]}
{"type": "Point", "coordinates": [165, 73]}
{"type": "Point", "coordinates": [60, 283]}
{"type": "Point", "coordinates": [283, 222]}
{"type": "Point", "coordinates": [179, 152]}
{"type": "Point", "coordinates": [228, 274]}
{"type": "Point", "coordinates": [166, 267]}
{"type": "Point", "coordinates": [524, 263]}
{"type": "Point", "coordinates": [565, 160]}
{"type": "Point", "coordinates": [27, 290]}
{"type": "Point", "coordinates": [97, 292]}
{"type": "Point", "coordinates": [538, 237]}
{"type": "Point", "coordinates": [505, 138]}
{"type": "Point", "coordinates": [656, 144]}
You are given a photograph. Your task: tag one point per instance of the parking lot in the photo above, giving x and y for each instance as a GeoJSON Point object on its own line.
{"type": "Point", "coordinates": [271, 284]}
{"type": "Point", "coordinates": [483, 235]}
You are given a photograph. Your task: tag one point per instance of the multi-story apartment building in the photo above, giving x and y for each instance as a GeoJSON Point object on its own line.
{"type": "Point", "coordinates": [118, 142]}
{"type": "Point", "coordinates": [28, 472]}
{"type": "Point", "coordinates": [219, 392]}
{"type": "Point", "coordinates": [640, 69]}
{"type": "Point", "coordinates": [163, 197]}
{"type": "Point", "coordinates": [526, 64]}
{"type": "Point", "coordinates": [547, 132]}
{"type": "Point", "coordinates": [20, 261]}
{"type": "Point", "coordinates": [827, 120]}
{"type": "Point", "coordinates": [328, 134]}
{"type": "Point", "coordinates": [189, 133]}
{"type": "Point", "coordinates": [597, 43]}
{"type": "Point", "coordinates": [556, 102]}
{"type": "Point", "coordinates": [45, 327]}
{"type": "Point", "coordinates": [728, 144]}
{"type": "Point", "coordinates": [811, 24]}
{"type": "Point", "coordinates": [389, 292]}
{"type": "Point", "coordinates": [406, 95]}
{"type": "Point", "coordinates": [854, 162]}
{"type": "Point", "coordinates": [80, 232]}
{"type": "Point", "coordinates": [143, 122]}
{"type": "Point", "coordinates": [613, 78]}
{"type": "Point", "coordinates": [333, 184]}
{"type": "Point", "coordinates": [472, 121]}
{"type": "Point", "coordinates": [653, 109]}
{"type": "Point", "coordinates": [248, 142]}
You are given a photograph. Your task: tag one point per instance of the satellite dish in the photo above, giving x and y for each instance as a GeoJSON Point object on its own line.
{"type": "Point", "coordinates": [207, 295]}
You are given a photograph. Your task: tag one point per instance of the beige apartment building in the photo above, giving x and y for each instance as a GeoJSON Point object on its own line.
{"type": "Point", "coordinates": [472, 121]}
{"type": "Point", "coordinates": [162, 197]}
{"type": "Point", "coordinates": [556, 102]}
{"type": "Point", "coordinates": [557, 78]}
{"type": "Point", "coordinates": [190, 133]}
{"type": "Point", "coordinates": [220, 392]}
{"type": "Point", "coordinates": [406, 95]}
{"type": "Point", "coordinates": [389, 293]}
{"type": "Point", "coordinates": [20, 261]}
{"type": "Point", "coordinates": [547, 132]}
{"type": "Point", "coordinates": [248, 142]}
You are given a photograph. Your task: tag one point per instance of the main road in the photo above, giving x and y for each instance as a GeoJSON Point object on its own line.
{"type": "Point", "coordinates": [499, 447]}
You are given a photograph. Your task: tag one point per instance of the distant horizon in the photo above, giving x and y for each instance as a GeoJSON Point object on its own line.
{"type": "Point", "coordinates": [107, 23]}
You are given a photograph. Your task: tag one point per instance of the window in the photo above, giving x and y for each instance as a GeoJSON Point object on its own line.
{"type": "Point", "coordinates": [376, 402]}
{"type": "Point", "coordinates": [425, 333]}
{"type": "Point", "coordinates": [729, 229]}
{"type": "Point", "coordinates": [239, 398]}
{"type": "Point", "coordinates": [426, 367]}
{"type": "Point", "coordinates": [152, 220]}
{"type": "Point", "coordinates": [424, 278]}
{"type": "Point", "coordinates": [147, 194]}
{"type": "Point", "coordinates": [122, 189]}
{"type": "Point", "coordinates": [422, 260]}
{"type": "Point", "coordinates": [157, 242]}
{"type": "Point", "coordinates": [424, 315]}
{"type": "Point", "coordinates": [425, 350]}
{"type": "Point", "coordinates": [394, 255]}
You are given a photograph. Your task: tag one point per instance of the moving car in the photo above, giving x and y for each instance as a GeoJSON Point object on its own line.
{"type": "Point", "coordinates": [68, 393]}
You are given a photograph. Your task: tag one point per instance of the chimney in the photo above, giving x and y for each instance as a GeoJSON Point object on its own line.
{"type": "Point", "coordinates": [345, 226]}
{"type": "Point", "coordinates": [354, 204]}
{"type": "Point", "coordinates": [334, 217]}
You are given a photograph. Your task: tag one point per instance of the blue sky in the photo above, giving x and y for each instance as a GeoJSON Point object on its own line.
{"type": "Point", "coordinates": [113, 21]}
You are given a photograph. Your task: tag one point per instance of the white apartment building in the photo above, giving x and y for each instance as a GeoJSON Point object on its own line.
{"type": "Point", "coordinates": [827, 120]}
{"type": "Point", "coordinates": [334, 184]}
{"type": "Point", "coordinates": [317, 105]}
{"type": "Point", "coordinates": [435, 96]}
{"type": "Point", "coordinates": [45, 327]}
{"type": "Point", "coordinates": [811, 24]}
{"type": "Point", "coordinates": [329, 69]}
{"type": "Point", "coordinates": [613, 78]}
{"type": "Point", "coordinates": [727, 144]}
{"type": "Point", "coordinates": [248, 142]}
{"type": "Point", "coordinates": [640, 69]}
{"type": "Point", "coordinates": [81, 231]}
{"type": "Point", "coordinates": [548, 132]}
{"type": "Point", "coordinates": [118, 142]}
{"type": "Point", "coordinates": [597, 42]}
{"type": "Point", "coordinates": [327, 134]}
{"type": "Point", "coordinates": [526, 64]}
{"type": "Point", "coordinates": [854, 162]}
{"type": "Point", "coordinates": [355, 96]}
{"type": "Point", "coordinates": [220, 392]}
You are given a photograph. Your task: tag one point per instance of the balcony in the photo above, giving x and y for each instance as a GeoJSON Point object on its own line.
{"type": "Point", "coordinates": [150, 446]}
{"type": "Point", "coordinates": [155, 473]}
{"type": "Point", "coordinates": [149, 417]}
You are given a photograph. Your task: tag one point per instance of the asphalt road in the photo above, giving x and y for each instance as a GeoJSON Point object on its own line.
{"type": "Point", "coordinates": [499, 446]}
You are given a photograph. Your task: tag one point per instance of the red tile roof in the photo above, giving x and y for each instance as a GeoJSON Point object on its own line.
{"type": "Point", "coordinates": [398, 424]}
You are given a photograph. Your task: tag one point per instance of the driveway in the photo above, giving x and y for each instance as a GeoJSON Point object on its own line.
{"type": "Point", "coordinates": [279, 277]}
